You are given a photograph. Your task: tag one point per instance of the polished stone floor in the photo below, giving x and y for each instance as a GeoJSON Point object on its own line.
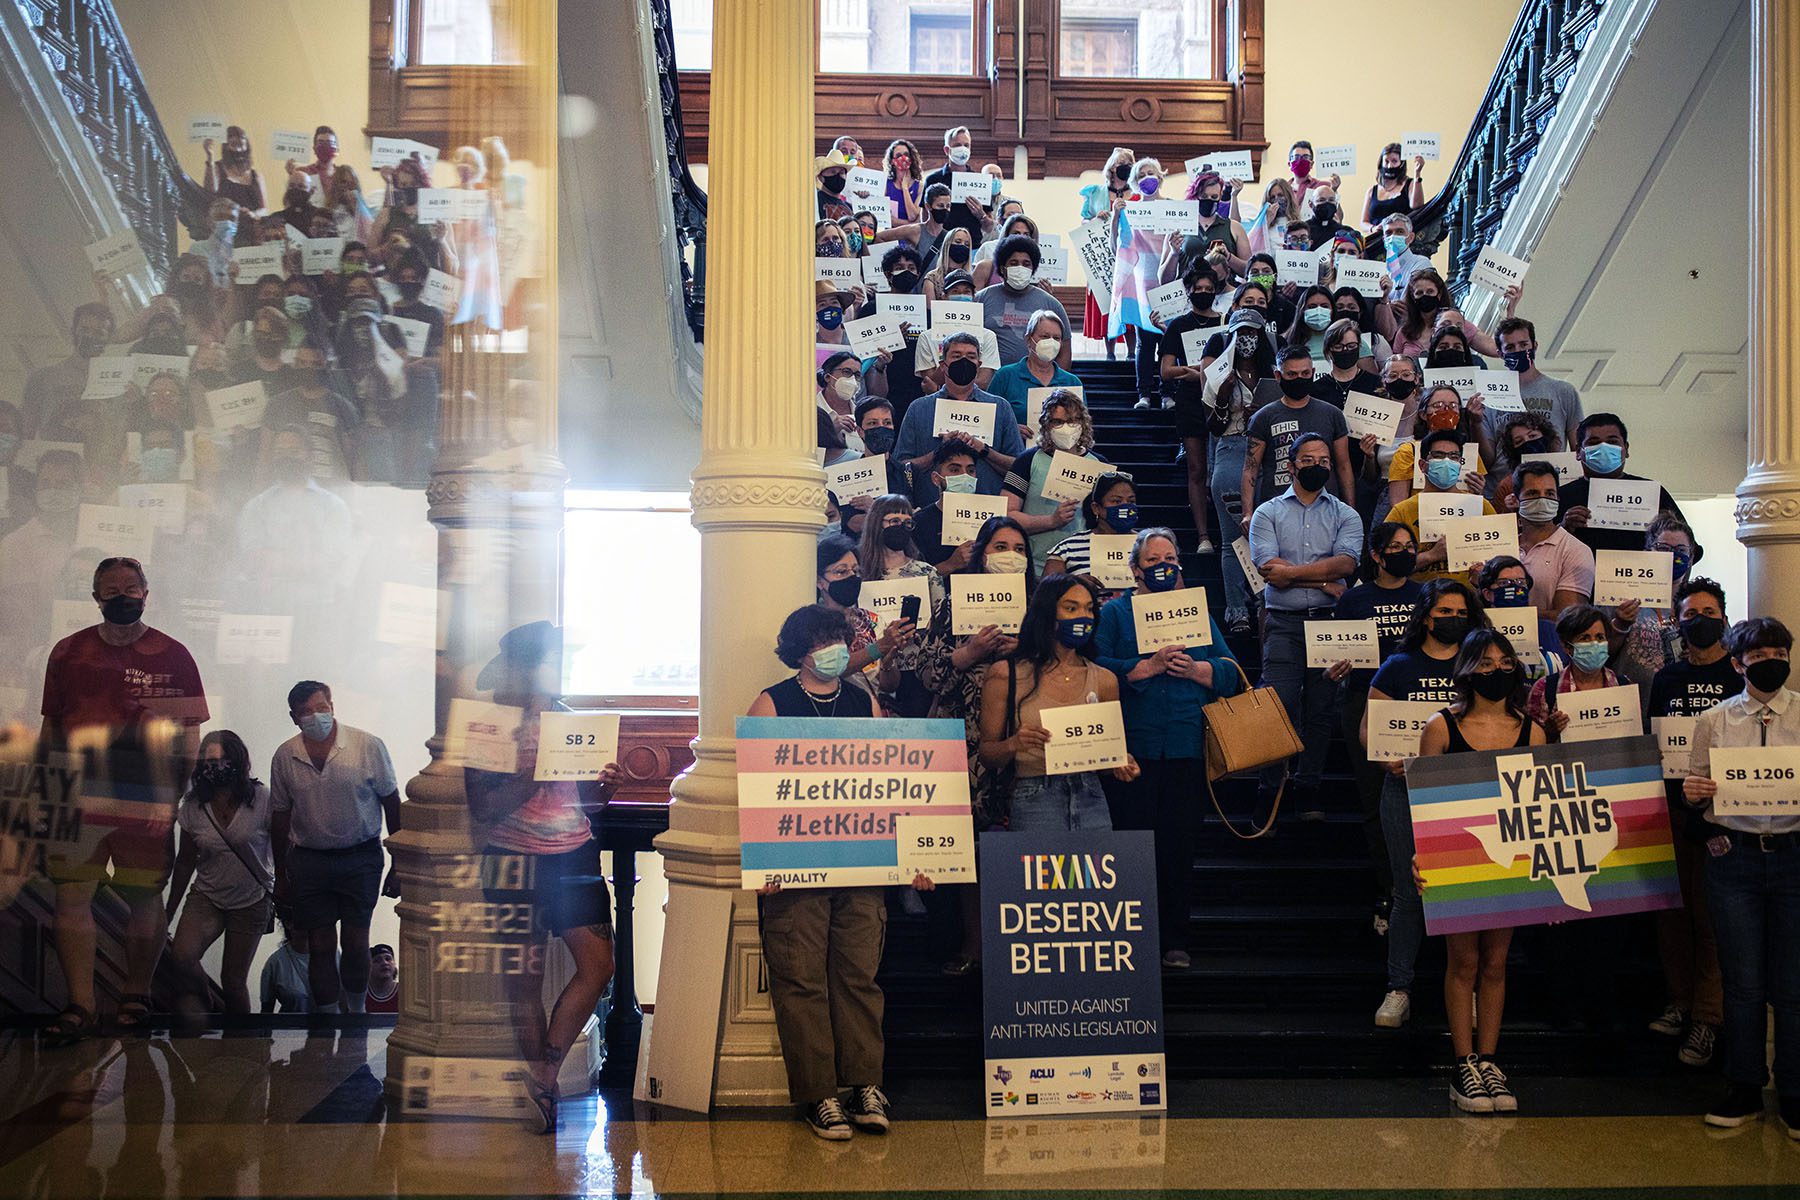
{"type": "Point", "coordinates": [290, 1114]}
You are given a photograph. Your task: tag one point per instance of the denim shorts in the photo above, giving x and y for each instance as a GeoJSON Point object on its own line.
{"type": "Point", "coordinates": [1059, 802]}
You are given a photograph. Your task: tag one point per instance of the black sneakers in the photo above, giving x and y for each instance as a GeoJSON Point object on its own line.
{"type": "Point", "coordinates": [1740, 1106]}
{"type": "Point", "coordinates": [1498, 1092]}
{"type": "Point", "coordinates": [868, 1108]}
{"type": "Point", "coordinates": [1468, 1087]}
{"type": "Point", "coordinates": [826, 1119]}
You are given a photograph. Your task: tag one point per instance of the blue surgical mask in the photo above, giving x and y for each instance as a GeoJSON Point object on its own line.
{"type": "Point", "coordinates": [1591, 656]}
{"type": "Point", "coordinates": [1074, 632]}
{"type": "Point", "coordinates": [159, 464]}
{"type": "Point", "coordinates": [1511, 593]}
{"type": "Point", "coordinates": [317, 726]}
{"type": "Point", "coordinates": [960, 484]}
{"type": "Point", "coordinates": [1122, 518]}
{"type": "Point", "coordinates": [1161, 577]}
{"type": "Point", "coordinates": [1394, 244]}
{"type": "Point", "coordinates": [1604, 458]}
{"type": "Point", "coordinates": [224, 231]}
{"type": "Point", "coordinates": [830, 318]}
{"type": "Point", "coordinates": [1444, 473]}
{"type": "Point", "coordinates": [828, 662]}
{"type": "Point", "coordinates": [1317, 318]}
{"type": "Point", "coordinates": [297, 307]}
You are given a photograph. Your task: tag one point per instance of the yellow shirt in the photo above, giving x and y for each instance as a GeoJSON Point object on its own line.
{"type": "Point", "coordinates": [1401, 467]}
{"type": "Point", "coordinates": [1407, 513]}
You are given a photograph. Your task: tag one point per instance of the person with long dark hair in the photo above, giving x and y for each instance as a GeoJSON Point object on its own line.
{"type": "Point", "coordinates": [1053, 667]}
{"type": "Point", "coordinates": [1487, 714]}
{"type": "Point", "coordinates": [225, 820]}
{"type": "Point", "coordinates": [1420, 670]}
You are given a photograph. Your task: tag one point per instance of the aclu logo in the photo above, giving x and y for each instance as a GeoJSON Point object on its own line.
{"type": "Point", "coordinates": [1149, 1093]}
{"type": "Point", "coordinates": [1043, 1073]}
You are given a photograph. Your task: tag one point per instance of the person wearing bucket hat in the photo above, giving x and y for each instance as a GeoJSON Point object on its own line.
{"type": "Point", "coordinates": [541, 858]}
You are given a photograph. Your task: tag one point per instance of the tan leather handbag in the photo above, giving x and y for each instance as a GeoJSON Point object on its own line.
{"type": "Point", "coordinates": [1245, 732]}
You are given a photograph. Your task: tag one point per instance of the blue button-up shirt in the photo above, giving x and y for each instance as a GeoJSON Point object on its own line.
{"type": "Point", "coordinates": [1302, 534]}
{"type": "Point", "coordinates": [915, 439]}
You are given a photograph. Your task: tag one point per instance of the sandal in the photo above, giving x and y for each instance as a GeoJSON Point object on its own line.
{"type": "Point", "coordinates": [959, 966]}
{"type": "Point", "coordinates": [134, 1013]}
{"type": "Point", "coordinates": [544, 1100]}
{"type": "Point", "coordinates": [74, 1023]}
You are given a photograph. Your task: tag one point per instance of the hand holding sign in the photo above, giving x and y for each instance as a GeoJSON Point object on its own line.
{"type": "Point", "coordinates": [1084, 737]}
{"type": "Point", "coordinates": [1497, 270]}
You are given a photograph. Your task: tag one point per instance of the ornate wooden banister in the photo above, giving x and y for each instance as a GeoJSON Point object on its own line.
{"type": "Point", "coordinates": [689, 198]}
{"type": "Point", "coordinates": [1540, 56]}
{"type": "Point", "coordinates": [90, 57]}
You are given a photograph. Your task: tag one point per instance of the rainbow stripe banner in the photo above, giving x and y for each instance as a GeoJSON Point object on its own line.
{"type": "Point", "coordinates": [820, 799]}
{"type": "Point", "coordinates": [1549, 833]}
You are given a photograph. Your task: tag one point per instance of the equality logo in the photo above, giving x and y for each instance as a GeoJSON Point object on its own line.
{"type": "Point", "coordinates": [1552, 815]}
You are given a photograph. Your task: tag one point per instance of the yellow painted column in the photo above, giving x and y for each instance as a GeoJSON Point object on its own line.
{"type": "Point", "coordinates": [758, 495]}
{"type": "Point", "coordinates": [1768, 507]}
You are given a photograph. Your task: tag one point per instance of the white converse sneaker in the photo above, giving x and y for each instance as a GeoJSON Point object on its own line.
{"type": "Point", "coordinates": [1396, 1008]}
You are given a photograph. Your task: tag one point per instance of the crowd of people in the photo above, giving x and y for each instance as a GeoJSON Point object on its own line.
{"type": "Point", "coordinates": [1320, 517]}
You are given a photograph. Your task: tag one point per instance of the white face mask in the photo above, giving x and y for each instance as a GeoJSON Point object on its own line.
{"type": "Point", "coordinates": [1018, 278]}
{"type": "Point", "coordinates": [958, 155]}
{"type": "Point", "coordinates": [1004, 562]}
{"type": "Point", "coordinates": [844, 387]}
{"type": "Point", "coordinates": [1065, 436]}
{"type": "Point", "coordinates": [1047, 348]}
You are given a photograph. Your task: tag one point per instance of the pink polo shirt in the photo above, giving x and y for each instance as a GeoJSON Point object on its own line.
{"type": "Point", "coordinates": [1559, 563]}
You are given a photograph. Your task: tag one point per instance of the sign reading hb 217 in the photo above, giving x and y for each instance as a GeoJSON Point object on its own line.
{"type": "Point", "coordinates": [1071, 974]}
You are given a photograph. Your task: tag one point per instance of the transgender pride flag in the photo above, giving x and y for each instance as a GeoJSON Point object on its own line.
{"type": "Point", "coordinates": [1549, 833]}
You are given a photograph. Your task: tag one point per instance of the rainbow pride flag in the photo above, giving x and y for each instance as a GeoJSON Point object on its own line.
{"type": "Point", "coordinates": [1547, 833]}
{"type": "Point", "coordinates": [821, 799]}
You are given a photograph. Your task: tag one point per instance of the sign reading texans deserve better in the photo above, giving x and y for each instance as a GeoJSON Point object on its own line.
{"type": "Point", "coordinates": [821, 800]}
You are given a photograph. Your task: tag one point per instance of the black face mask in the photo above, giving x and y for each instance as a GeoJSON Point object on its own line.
{"type": "Point", "coordinates": [959, 253]}
{"type": "Point", "coordinates": [961, 371]}
{"type": "Point", "coordinates": [1294, 389]}
{"type": "Point", "coordinates": [1121, 172]}
{"type": "Point", "coordinates": [904, 281]}
{"type": "Point", "coordinates": [880, 439]}
{"type": "Point", "coordinates": [216, 772]}
{"type": "Point", "coordinates": [1400, 562]}
{"type": "Point", "coordinates": [1392, 172]}
{"type": "Point", "coordinates": [1202, 301]}
{"type": "Point", "coordinates": [1496, 685]}
{"type": "Point", "coordinates": [122, 610]}
{"type": "Point", "coordinates": [1702, 633]}
{"type": "Point", "coordinates": [844, 591]}
{"type": "Point", "coordinates": [940, 215]}
{"type": "Point", "coordinates": [1531, 449]}
{"type": "Point", "coordinates": [1312, 478]}
{"type": "Point", "coordinates": [1400, 389]}
{"type": "Point", "coordinates": [1324, 214]}
{"type": "Point", "coordinates": [1450, 630]}
{"type": "Point", "coordinates": [833, 184]}
{"type": "Point", "coordinates": [1427, 303]}
{"type": "Point", "coordinates": [896, 537]}
{"type": "Point", "coordinates": [1449, 358]}
{"type": "Point", "coordinates": [1767, 675]}
{"type": "Point", "coordinates": [1343, 360]}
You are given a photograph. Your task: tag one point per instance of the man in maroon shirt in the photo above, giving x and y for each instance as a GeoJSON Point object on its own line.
{"type": "Point", "coordinates": [125, 701]}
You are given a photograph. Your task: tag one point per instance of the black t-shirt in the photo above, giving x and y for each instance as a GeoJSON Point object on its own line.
{"type": "Point", "coordinates": [792, 700]}
{"type": "Point", "coordinates": [1390, 608]}
{"type": "Point", "coordinates": [1683, 690]}
{"type": "Point", "coordinates": [1415, 675]}
{"type": "Point", "coordinates": [1574, 494]}
{"type": "Point", "coordinates": [928, 534]}
{"type": "Point", "coordinates": [1336, 394]}
{"type": "Point", "coordinates": [1188, 393]}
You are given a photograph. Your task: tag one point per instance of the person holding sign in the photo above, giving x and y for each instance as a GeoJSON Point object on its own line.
{"type": "Point", "coordinates": [822, 946]}
{"type": "Point", "coordinates": [233, 177]}
{"type": "Point", "coordinates": [1163, 695]}
{"type": "Point", "coordinates": [1305, 542]}
{"type": "Point", "coordinates": [1753, 870]}
{"type": "Point", "coordinates": [1523, 437]}
{"type": "Point", "coordinates": [1443, 453]}
{"type": "Point", "coordinates": [1488, 714]}
{"type": "Point", "coordinates": [1387, 596]}
{"type": "Point", "coordinates": [1400, 377]}
{"type": "Point", "coordinates": [1562, 569]}
{"type": "Point", "coordinates": [1394, 194]}
{"type": "Point", "coordinates": [918, 437]}
{"type": "Point", "coordinates": [1045, 338]}
{"type": "Point", "coordinates": [903, 269]}
{"type": "Point", "coordinates": [1184, 344]}
{"type": "Point", "coordinates": [1556, 401]}
{"type": "Point", "coordinates": [1139, 267]}
{"type": "Point", "coordinates": [839, 586]}
{"type": "Point", "coordinates": [1424, 306]}
{"type": "Point", "coordinates": [1602, 441]}
{"type": "Point", "coordinates": [1581, 629]}
{"type": "Point", "coordinates": [1014, 302]}
{"type": "Point", "coordinates": [1277, 428]}
{"type": "Point", "coordinates": [1053, 668]}
{"type": "Point", "coordinates": [1505, 582]}
{"type": "Point", "coordinates": [887, 552]}
{"type": "Point", "coordinates": [1701, 678]}
{"type": "Point", "coordinates": [1040, 493]}
{"type": "Point", "coordinates": [1111, 510]}
{"type": "Point", "coordinates": [1220, 242]}
{"type": "Point", "coordinates": [1441, 409]}
{"type": "Point", "coordinates": [1647, 638]}
{"type": "Point", "coordinates": [952, 474]}
{"type": "Point", "coordinates": [53, 393]}
{"type": "Point", "coordinates": [1420, 672]}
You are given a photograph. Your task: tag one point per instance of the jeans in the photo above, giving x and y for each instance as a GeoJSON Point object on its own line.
{"type": "Point", "coordinates": [1165, 798]}
{"type": "Point", "coordinates": [1149, 364]}
{"type": "Point", "coordinates": [1369, 778]}
{"type": "Point", "coordinates": [1062, 802]}
{"type": "Point", "coordinates": [1755, 896]}
{"type": "Point", "coordinates": [1406, 923]}
{"type": "Point", "coordinates": [1225, 478]}
{"type": "Point", "coordinates": [1307, 695]}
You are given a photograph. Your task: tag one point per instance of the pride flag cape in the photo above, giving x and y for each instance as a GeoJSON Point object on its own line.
{"type": "Point", "coordinates": [1548, 833]}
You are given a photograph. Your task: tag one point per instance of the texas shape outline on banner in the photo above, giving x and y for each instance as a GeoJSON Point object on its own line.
{"type": "Point", "coordinates": [1551, 814]}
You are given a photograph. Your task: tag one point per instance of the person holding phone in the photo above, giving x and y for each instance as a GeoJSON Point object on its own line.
{"type": "Point", "coordinates": [822, 946]}
{"type": "Point", "coordinates": [542, 858]}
